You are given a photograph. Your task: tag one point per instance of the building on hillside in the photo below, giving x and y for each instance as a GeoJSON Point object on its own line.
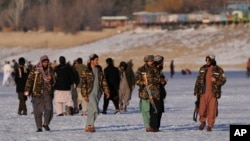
{"type": "Point", "coordinates": [114, 21]}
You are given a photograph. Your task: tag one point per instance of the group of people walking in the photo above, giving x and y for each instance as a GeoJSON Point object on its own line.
{"type": "Point", "coordinates": [83, 85]}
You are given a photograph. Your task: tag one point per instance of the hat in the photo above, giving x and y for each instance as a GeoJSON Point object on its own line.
{"type": "Point", "coordinates": [21, 61]}
{"type": "Point", "coordinates": [149, 58]}
{"type": "Point", "coordinates": [158, 58]}
{"type": "Point", "coordinates": [44, 57]}
{"type": "Point", "coordinates": [93, 56]}
{"type": "Point", "coordinates": [211, 57]}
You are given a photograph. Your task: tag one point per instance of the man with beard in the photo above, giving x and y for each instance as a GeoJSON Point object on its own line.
{"type": "Point", "coordinates": [39, 83]}
{"type": "Point", "coordinates": [207, 88]}
{"type": "Point", "coordinates": [93, 84]}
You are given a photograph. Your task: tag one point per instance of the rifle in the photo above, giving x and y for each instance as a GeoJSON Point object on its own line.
{"type": "Point", "coordinates": [34, 84]}
{"type": "Point", "coordinates": [149, 93]}
{"type": "Point", "coordinates": [196, 109]}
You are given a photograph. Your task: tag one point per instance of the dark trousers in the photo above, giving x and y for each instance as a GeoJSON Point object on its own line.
{"type": "Point", "coordinates": [155, 118]}
{"type": "Point", "coordinates": [248, 72]}
{"type": "Point", "coordinates": [22, 103]}
{"type": "Point", "coordinates": [115, 101]}
{"type": "Point", "coordinates": [43, 107]}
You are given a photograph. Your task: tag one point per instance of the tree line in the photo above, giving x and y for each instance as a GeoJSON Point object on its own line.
{"type": "Point", "coordinates": [74, 15]}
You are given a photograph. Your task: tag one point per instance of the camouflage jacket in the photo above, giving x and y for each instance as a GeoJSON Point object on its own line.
{"type": "Point", "coordinates": [36, 85]}
{"type": "Point", "coordinates": [87, 81]}
{"type": "Point", "coordinates": [153, 78]}
{"type": "Point", "coordinates": [217, 73]}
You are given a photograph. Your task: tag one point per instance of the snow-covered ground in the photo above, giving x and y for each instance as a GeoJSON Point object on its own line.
{"type": "Point", "coordinates": [176, 124]}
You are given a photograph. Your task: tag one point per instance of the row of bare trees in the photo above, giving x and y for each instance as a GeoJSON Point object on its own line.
{"type": "Point", "coordinates": [64, 15]}
{"type": "Point", "coordinates": [185, 6]}
{"type": "Point", "coordinates": [75, 15]}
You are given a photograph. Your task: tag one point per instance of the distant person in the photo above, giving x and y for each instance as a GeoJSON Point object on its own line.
{"type": "Point", "coordinates": [63, 74]}
{"type": "Point", "coordinates": [40, 84]}
{"type": "Point", "coordinates": [21, 77]}
{"type": "Point", "coordinates": [132, 76]}
{"type": "Point", "coordinates": [172, 69]}
{"type": "Point", "coordinates": [207, 89]}
{"type": "Point", "coordinates": [127, 84]}
{"type": "Point", "coordinates": [248, 68]}
{"type": "Point", "coordinates": [54, 64]}
{"type": "Point", "coordinates": [6, 73]}
{"type": "Point", "coordinates": [93, 85]}
{"type": "Point", "coordinates": [186, 71]}
{"type": "Point", "coordinates": [14, 68]}
{"type": "Point", "coordinates": [76, 81]}
{"type": "Point", "coordinates": [29, 65]}
{"type": "Point", "coordinates": [80, 100]}
{"type": "Point", "coordinates": [112, 77]}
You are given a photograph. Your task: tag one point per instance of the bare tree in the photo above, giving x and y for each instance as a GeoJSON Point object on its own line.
{"type": "Point", "coordinates": [13, 13]}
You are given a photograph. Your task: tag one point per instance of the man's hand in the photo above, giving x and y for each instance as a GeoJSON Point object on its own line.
{"type": "Point", "coordinates": [26, 93]}
{"type": "Point", "coordinates": [213, 79]}
{"type": "Point", "coordinates": [86, 98]}
{"type": "Point", "coordinates": [107, 95]}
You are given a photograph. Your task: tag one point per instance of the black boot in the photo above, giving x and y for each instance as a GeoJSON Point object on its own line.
{"type": "Point", "coordinates": [46, 127]}
{"type": "Point", "coordinates": [71, 109]}
{"type": "Point", "coordinates": [39, 130]}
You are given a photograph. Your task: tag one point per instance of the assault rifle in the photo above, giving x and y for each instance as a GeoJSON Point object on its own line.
{"type": "Point", "coordinates": [149, 93]}
{"type": "Point", "coordinates": [196, 109]}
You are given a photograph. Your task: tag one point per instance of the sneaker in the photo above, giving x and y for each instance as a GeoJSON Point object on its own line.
{"type": "Point", "coordinates": [39, 130]}
{"type": "Point", "coordinates": [46, 127]}
{"type": "Point", "coordinates": [202, 125]}
{"type": "Point", "coordinates": [209, 129]}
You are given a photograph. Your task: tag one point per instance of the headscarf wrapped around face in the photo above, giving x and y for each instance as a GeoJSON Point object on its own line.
{"type": "Point", "coordinates": [41, 69]}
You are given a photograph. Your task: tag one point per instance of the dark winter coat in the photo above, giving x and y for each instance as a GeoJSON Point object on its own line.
{"type": "Point", "coordinates": [218, 74]}
{"type": "Point", "coordinates": [113, 79]}
{"type": "Point", "coordinates": [130, 76]}
{"type": "Point", "coordinates": [63, 77]}
{"type": "Point", "coordinates": [76, 78]}
{"type": "Point", "coordinates": [21, 77]}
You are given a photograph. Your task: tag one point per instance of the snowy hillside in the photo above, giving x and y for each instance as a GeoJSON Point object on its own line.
{"type": "Point", "coordinates": [187, 47]}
